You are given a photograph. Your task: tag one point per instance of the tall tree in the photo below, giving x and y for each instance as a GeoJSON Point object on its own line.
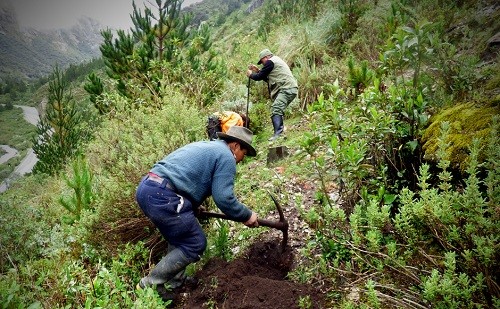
{"type": "Point", "coordinates": [162, 48]}
{"type": "Point", "coordinates": [59, 132]}
{"type": "Point", "coordinates": [159, 35]}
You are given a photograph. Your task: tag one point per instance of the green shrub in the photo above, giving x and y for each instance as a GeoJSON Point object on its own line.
{"type": "Point", "coordinates": [452, 289]}
{"type": "Point", "coordinates": [134, 141]}
{"type": "Point", "coordinates": [460, 225]}
{"type": "Point", "coordinates": [390, 235]}
{"type": "Point", "coordinates": [81, 184]}
{"type": "Point", "coordinates": [24, 221]}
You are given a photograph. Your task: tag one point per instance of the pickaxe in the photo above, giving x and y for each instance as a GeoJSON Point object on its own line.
{"type": "Point", "coordinates": [281, 225]}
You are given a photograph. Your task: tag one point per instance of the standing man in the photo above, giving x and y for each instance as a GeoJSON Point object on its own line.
{"type": "Point", "coordinates": [281, 83]}
{"type": "Point", "coordinates": [171, 193]}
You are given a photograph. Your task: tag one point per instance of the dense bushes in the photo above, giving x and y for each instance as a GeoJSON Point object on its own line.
{"type": "Point", "coordinates": [84, 263]}
{"type": "Point", "coordinates": [390, 228]}
{"type": "Point", "coordinates": [441, 235]}
{"type": "Point", "coordinates": [418, 238]}
{"type": "Point", "coordinates": [134, 141]}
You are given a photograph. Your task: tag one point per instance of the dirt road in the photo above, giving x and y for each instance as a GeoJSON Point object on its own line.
{"type": "Point", "coordinates": [30, 115]}
{"type": "Point", "coordinates": [10, 153]}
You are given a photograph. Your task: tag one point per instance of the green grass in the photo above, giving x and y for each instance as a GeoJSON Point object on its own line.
{"type": "Point", "coordinates": [18, 134]}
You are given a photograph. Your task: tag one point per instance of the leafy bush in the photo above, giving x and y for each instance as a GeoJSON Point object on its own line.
{"type": "Point", "coordinates": [134, 141]}
{"type": "Point", "coordinates": [352, 146]}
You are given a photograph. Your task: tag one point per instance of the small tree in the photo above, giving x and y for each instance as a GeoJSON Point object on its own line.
{"type": "Point", "coordinates": [81, 184]}
{"type": "Point", "coordinates": [58, 132]}
{"type": "Point", "coordinates": [95, 88]}
{"type": "Point", "coordinates": [155, 36]}
{"type": "Point", "coordinates": [161, 49]}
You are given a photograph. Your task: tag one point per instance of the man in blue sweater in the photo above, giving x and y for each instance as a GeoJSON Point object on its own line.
{"type": "Point", "coordinates": [174, 189]}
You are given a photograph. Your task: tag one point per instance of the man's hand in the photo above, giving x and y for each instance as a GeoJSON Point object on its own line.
{"type": "Point", "coordinates": [199, 211]}
{"type": "Point", "coordinates": [253, 68]}
{"type": "Point", "coordinates": [252, 222]}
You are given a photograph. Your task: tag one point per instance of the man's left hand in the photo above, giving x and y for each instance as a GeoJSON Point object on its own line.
{"type": "Point", "coordinates": [252, 222]}
{"type": "Point", "coordinates": [199, 211]}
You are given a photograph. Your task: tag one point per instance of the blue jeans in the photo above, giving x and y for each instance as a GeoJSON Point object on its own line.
{"type": "Point", "coordinates": [173, 215]}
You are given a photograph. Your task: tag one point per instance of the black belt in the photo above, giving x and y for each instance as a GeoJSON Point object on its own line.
{"type": "Point", "coordinates": [160, 180]}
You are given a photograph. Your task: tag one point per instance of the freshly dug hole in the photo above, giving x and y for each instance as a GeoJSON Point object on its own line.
{"type": "Point", "coordinates": [255, 280]}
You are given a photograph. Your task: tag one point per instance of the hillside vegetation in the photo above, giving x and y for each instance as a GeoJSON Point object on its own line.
{"type": "Point", "coordinates": [393, 165]}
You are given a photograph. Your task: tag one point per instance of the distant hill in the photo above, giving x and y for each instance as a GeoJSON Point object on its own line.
{"type": "Point", "coordinates": [216, 11]}
{"type": "Point", "coordinates": [32, 53]}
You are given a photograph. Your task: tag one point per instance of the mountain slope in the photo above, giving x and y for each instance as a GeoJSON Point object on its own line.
{"type": "Point", "coordinates": [32, 53]}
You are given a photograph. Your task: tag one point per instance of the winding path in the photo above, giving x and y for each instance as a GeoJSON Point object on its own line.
{"type": "Point", "coordinates": [26, 166]}
{"type": "Point", "coordinates": [10, 153]}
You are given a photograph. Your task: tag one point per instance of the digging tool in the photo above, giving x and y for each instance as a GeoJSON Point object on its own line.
{"type": "Point", "coordinates": [248, 102]}
{"type": "Point", "coordinates": [281, 225]}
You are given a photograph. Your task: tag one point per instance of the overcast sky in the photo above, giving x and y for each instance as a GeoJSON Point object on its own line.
{"type": "Point", "coordinates": [50, 14]}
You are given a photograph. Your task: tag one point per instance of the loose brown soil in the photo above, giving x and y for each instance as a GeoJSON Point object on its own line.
{"type": "Point", "coordinates": [258, 279]}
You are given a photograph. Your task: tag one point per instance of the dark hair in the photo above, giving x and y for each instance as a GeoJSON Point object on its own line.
{"type": "Point", "coordinates": [246, 120]}
{"type": "Point", "coordinates": [213, 126]}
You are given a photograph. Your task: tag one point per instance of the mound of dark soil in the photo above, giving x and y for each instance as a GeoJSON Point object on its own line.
{"type": "Point", "coordinates": [256, 280]}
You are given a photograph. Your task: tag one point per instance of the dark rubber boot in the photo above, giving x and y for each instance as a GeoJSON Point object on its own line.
{"type": "Point", "coordinates": [169, 270]}
{"type": "Point", "coordinates": [277, 125]}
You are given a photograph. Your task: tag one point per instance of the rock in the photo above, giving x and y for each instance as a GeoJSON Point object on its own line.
{"type": "Point", "coordinates": [276, 153]}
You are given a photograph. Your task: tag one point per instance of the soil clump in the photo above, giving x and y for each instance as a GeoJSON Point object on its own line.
{"type": "Point", "coordinates": [256, 280]}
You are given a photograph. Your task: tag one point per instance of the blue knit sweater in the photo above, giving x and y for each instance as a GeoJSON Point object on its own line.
{"type": "Point", "coordinates": [202, 169]}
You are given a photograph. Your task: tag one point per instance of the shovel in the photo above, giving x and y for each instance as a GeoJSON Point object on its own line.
{"type": "Point", "coordinates": [248, 102]}
{"type": "Point", "coordinates": [281, 225]}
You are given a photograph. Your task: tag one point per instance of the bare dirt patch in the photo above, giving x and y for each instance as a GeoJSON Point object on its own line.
{"type": "Point", "coordinates": [257, 280]}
